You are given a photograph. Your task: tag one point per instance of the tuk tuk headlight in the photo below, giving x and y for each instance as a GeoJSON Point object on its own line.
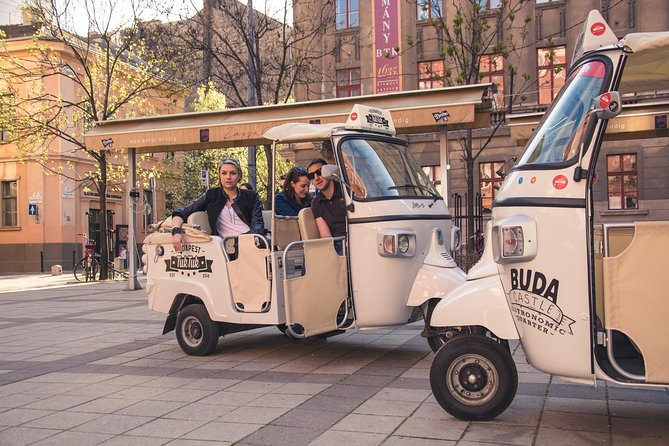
{"type": "Point", "coordinates": [514, 239]}
{"type": "Point", "coordinates": [396, 243]}
{"type": "Point", "coordinates": [403, 243]}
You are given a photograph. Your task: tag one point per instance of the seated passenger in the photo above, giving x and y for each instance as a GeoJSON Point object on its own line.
{"type": "Point", "coordinates": [295, 195]}
{"type": "Point", "coordinates": [329, 206]}
{"type": "Point", "coordinates": [231, 211]}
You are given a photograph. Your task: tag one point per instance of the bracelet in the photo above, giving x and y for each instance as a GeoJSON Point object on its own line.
{"type": "Point", "coordinates": [176, 230]}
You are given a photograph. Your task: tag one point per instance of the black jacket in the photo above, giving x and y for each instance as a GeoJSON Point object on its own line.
{"type": "Point", "coordinates": [247, 207]}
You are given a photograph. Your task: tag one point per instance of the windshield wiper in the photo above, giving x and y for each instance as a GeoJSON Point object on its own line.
{"type": "Point", "coordinates": [416, 186]}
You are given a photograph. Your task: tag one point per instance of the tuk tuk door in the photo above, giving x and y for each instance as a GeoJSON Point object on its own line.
{"type": "Point", "coordinates": [541, 227]}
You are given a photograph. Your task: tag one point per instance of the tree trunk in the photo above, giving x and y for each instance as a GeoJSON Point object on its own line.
{"type": "Point", "coordinates": [104, 250]}
{"type": "Point", "coordinates": [270, 174]}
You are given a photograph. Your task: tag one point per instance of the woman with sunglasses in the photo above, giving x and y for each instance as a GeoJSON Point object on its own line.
{"type": "Point", "coordinates": [231, 211]}
{"type": "Point", "coordinates": [295, 195]}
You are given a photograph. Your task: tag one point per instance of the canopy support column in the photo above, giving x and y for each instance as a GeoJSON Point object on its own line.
{"type": "Point", "coordinates": [133, 283]}
{"type": "Point", "coordinates": [444, 161]}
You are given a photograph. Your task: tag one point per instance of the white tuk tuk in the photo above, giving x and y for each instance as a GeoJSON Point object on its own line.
{"type": "Point", "coordinates": [396, 252]}
{"type": "Point", "coordinates": [586, 301]}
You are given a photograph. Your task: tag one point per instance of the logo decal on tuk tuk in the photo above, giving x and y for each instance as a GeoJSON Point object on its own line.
{"type": "Point", "coordinates": [188, 264]}
{"type": "Point", "coordinates": [533, 300]}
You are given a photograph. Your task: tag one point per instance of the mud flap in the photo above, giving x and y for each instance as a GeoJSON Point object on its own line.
{"type": "Point", "coordinates": [170, 323]}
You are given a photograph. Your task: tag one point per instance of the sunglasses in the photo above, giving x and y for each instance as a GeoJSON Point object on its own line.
{"type": "Point", "coordinates": [313, 174]}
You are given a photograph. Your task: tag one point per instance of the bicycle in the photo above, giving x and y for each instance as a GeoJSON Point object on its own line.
{"type": "Point", "coordinates": [88, 268]}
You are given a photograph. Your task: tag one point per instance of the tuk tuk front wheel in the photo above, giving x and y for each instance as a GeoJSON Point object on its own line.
{"type": "Point", "coordinates": [473, 378]}
{"type": "Point", "coordinates": [196, 332]}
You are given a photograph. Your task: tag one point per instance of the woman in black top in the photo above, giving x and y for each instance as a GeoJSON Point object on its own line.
{"type": "Point", "coordinates": [231, 211]}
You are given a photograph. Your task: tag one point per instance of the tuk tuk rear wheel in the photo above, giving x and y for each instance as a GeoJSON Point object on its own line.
{"type": "Point", "coordinates": [196, 333]}
{"type": "Point", "coordinates": [473, 378]}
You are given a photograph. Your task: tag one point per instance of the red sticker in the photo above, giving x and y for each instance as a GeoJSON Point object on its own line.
{"type": "Point", "coordinates": [605, 100]}
{"type": "Point", "coordinates": [598, 28]}
{"type": "Point", "coordinates": [354, 116]}
{"type": "Point", "coordinates": [533, 180]}
{"type": "Point", "coordinates": [560, 182]}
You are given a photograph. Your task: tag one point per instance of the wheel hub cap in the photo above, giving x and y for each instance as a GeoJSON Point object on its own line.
{"type": "Point", "coordinates": [472, 379]}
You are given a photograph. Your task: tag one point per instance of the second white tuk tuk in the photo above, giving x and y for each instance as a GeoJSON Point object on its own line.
{"type": "Point", "coordinates": [396, 257]}
{"type": "Point", "coordinates": [586, 301]}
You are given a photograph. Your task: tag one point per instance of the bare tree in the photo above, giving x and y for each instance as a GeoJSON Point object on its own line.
{"type": "Point", "coordinates": [114, 75]}
{"type": "Point", "coordinates": [471, 39]}
{"type": "Point", "coordinates": [234, 56]}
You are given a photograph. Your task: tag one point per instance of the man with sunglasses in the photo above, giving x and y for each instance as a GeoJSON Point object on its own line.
{"type": "Point", "coordinates": [329, 206]}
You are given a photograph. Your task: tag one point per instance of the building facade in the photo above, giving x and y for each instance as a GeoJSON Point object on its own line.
{"type": "Point", "coordinates": [393, 45]}
{"type": "Point", "coordinates": [46, 213]}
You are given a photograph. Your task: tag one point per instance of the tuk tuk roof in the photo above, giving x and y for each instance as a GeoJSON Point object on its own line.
{"type": "Point", "coordinates": [300, 132]}
{"type": "Point", "coordinates": [647, 68]}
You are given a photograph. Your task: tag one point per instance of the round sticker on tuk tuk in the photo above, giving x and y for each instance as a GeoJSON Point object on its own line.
{"type": "Point", "coordinates": [560, 182]}
{"type": "Point", "coordinates": [598, 28]}
{"type": "Point", "coordinates": [605, 100]}
{"type": "Point", "coordinates": [533, 180]}
{"type": "Point", "coordinates": [354, 116]}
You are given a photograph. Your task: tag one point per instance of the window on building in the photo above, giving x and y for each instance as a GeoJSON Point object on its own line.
{"type": "Point", "coordinates": [434, 174]}
{"type": "Point", "coordinates": [623, 184]}
{"type": "Point", "coordinates": [9, 204]}
{"type": "Point", "coordinates": [6, 113]}
{"type": "Point", "coordinates": [347, 14]}
{"type": "Point", "coordinates": [551, 72]}
{"type": "Point", "coordinates": [491, 176]}
{"type": "Point", "coordinates": [430, 74]}
{"type": "Point", "coordinates": [491, 69]}
{"type": "Point", "coordinates": [348, 83]}
{"type": "Point", "coordinates": [426, 9]}
{"type": "Point", "coordinates": [489, 4]}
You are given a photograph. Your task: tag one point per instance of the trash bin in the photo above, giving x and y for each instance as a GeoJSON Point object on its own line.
{"type": "Point", "coordinates": [56, 270]}
{"type": "Point", "coordinates": [118, 264]}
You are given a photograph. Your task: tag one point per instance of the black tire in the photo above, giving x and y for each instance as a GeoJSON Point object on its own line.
{"type": "Point", "coordinates": [196, 332]}
{"type": "Point", "coordinates": [84, 273]}
{"type": "Point", "coordinates": [473, 378]}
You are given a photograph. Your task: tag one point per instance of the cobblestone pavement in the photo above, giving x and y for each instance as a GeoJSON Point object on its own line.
{"type": "Point", "coordinates": [86, 365]}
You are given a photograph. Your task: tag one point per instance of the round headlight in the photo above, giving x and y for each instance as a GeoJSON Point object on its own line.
{"type": "Point", "coordinates": [403, 243]}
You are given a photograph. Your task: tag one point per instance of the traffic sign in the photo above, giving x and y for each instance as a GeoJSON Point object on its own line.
{"type": "Point", "coordinates": [32, 209]}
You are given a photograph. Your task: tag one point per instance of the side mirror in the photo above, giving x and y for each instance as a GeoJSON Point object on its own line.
{"type": "Point", "coordinates": [609, 105]}
{"type": "Point", "coordinates": [331, 172]}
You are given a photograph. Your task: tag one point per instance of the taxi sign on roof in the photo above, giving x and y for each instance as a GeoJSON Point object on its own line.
{"type": "Point", "coordinates": [373, 119]}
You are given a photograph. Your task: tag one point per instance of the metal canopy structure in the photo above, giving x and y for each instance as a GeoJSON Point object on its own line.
{"type": "Point", "coordinates": [413, 112]}
{"type": "Point", "coordinates": [636, 121]}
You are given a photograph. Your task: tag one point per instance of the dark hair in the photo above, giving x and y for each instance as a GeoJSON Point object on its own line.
{"type": "Point", "coordinates": [246, 185]}
{"type": "Point", "coordinates": [317, 161]}
{"type": "Point", "coordinates": [293, 176]}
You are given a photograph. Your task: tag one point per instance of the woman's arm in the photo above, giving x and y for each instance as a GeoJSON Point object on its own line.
{"type": "Point", "coordinates": [257, 225]}
{"type": "Point", "coordinates": [179, 216]}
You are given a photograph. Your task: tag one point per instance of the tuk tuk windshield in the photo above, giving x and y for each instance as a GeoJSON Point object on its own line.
{"type": "Point", "coordinates": [552, 141]}
{"type": "Point", "coordinates": [377, 168]}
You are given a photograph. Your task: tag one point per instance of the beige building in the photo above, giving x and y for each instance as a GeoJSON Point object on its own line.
{"type": "Point", "coordinates": [43, 213]}
{"type": "Point", "coordinates": [393, 45]}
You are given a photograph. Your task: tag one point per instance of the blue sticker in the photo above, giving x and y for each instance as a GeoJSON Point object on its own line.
{"type": "Point", "coordinates": [520, 180]}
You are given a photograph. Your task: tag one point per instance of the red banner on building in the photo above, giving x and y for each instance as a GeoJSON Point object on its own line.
{"type": "Point", "coordinates": [386, 45]}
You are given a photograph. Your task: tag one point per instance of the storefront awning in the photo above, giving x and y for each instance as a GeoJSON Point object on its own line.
{"type": "Point", "coordinates": [413, 112]}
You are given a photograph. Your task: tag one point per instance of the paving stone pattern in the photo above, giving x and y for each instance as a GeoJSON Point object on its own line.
{"type": "Point", "coordinates": [86, 365]}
